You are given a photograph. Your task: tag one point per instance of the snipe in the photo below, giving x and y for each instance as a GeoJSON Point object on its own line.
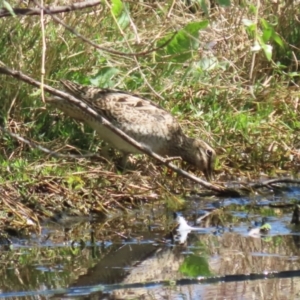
{"type": "Point", "coordinates": [141, 119]}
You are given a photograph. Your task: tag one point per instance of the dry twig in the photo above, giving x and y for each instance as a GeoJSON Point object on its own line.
{"type": "Point", "coordinates": [51, 10]}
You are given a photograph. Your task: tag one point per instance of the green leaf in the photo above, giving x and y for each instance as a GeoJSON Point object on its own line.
{"type": "Point", "coordinates": [194, 266]}
{"type": "Point", "coordinates": [124, 19]}
{"type": "Point", "coordinates": [75, 182]}
{"type": "Point", "coordinates": [267, 34]}
{"type": "Point", "coordinates": [8, 7]}
{"type": "Point", "coordinates": [252, 9]}
{"type": "Point", "coordinates": [264, 23]}
{"type": "Point", "coordinates": [184, 41]}
{"type": "Point", "coordinates": [194, 27]}
{"type": "Point", "coordinates": [294, 74]}
{"type": "Point", "coordinates": [120, 12]}
{"type": "Point", "coordinates": [267, 50]}
{"type": "Point", "coordinates": [250, 26]}
{"type": "Point", "coordinates": [104, 77]}
{"type": "Point", "coordinates": [278, 40]}
{"type": "Point", "coordinates": [268, 30]}
{"type": "Point", "coordinates": [266, 226]}
{"type": "Point", "coordinates": [116, 7]}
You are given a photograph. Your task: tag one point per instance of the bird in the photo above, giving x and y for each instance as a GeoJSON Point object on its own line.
{"type": "Point", "coordinates": [141, 119]}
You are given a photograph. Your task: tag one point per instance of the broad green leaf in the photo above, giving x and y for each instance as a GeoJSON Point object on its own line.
{"type": "Point", "coordinates": [184, 41]}
{"type": "Point", "coordinates": [267, 34]}
{"type": "Point", "coordinates": [268, 30]}
{"type": "Point", "coordinates": [120, 12]}
{"type": "Point", "coordinates": [124, 19]}
{"type": "Point", "coordinates": [194, 266]}
{"type": "Point", "coordinates": [116, 7]}
{"type": "Point", "coordinates": [194, 27]}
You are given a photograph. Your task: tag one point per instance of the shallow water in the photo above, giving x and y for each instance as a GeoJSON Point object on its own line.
{"type": "Point", "coordinates": [136, 257]}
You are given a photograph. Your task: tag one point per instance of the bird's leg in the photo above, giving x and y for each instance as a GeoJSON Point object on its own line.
{"type": "Point", "coordinates": [124, 161]}
{"type": "Point", "coordinates": [106, 152]}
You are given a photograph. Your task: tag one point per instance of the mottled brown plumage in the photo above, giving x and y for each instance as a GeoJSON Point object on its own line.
{"type": "Point", "coordinates": [141, 119]}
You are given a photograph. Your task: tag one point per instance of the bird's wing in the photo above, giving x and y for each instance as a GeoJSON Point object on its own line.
{"type": "Point", "coordinates": [121, 107]}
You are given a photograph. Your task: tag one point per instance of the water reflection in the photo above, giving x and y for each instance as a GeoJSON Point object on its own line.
{"type": "Point", "coordinates": [151, 256]}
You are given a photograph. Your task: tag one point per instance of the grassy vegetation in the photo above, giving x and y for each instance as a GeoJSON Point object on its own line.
{"type": "Point", "coordinates": [230, 75]}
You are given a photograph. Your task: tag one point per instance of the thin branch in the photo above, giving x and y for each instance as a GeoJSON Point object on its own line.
{"type": "Point", "coordinates": [46, 150]}
{"type": "Point", "coordinates": [54, 10]}
{"type": "Point", "coordinates": [80, 36]}
{"type": "Point", "coordinates": [44, 48]}
{"type": "Point", "coordinates": [269, 183]}
{"type": "Point", "coordinates": [134, 58]}
{"type": "Point", "coordinates": [19, 75]}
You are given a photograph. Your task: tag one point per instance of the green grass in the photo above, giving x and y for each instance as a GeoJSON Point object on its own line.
{"type": "Point", "coordinates": [210, 90]}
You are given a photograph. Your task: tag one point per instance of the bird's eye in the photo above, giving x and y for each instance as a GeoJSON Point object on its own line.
{"type": "Point", "coordinates": [209, 153]}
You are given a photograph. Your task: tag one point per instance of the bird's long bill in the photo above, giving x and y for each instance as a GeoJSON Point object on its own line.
{"type": "Point", "coordinates": [209, 174]}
